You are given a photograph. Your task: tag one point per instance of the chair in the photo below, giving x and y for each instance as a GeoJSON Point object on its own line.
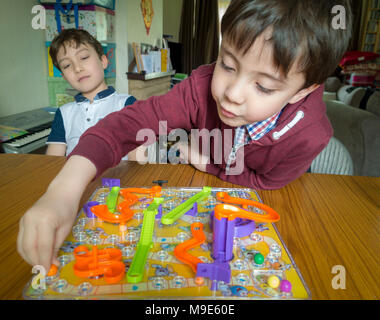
{"type": "Point", "coordinates": [333, 159]}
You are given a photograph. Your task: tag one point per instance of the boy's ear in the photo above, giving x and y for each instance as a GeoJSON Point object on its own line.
{"type": "Point", "coordinates": [104, 61]}
{"type": "Point", "coordinates": [303, 93]}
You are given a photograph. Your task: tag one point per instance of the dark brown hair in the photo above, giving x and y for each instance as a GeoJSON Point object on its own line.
{"type": "Point", "coordinates": [301, 31]}
{"type": "Point", "coordinates": [73, 36]}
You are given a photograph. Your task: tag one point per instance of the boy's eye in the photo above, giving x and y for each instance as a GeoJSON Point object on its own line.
{"type": "Point", "coordinates": [224, 66]}
{"type": "Point", "coordinates": [264, 90]}
{"type": "Point", "coordinates": [65, 66]}
{"type": "Point", "coordinates": [84, 58]}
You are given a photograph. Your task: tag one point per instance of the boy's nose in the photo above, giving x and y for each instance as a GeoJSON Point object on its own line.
{"type": "Point", "coordinates": [235, 92]}
{"type": "Point", "coordinates": [78, 67]}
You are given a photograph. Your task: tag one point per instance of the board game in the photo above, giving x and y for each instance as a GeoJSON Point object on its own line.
{"type": "Point", "coordinates": [172, 243]}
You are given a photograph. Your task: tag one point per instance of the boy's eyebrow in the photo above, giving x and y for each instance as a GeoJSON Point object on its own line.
{"type": "Point", "coordinates": [268, 75]}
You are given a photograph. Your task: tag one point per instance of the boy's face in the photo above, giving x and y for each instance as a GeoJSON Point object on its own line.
{"type": "Point", "coordinates": [248, 88]}
{"type": "Point", "coordinates": [82, 68]}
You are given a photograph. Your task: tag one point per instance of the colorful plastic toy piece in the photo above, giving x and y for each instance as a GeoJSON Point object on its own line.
{"type": "Point", "coordinates": [224, 225]}
{"type": "Point", "coordinates": [185, 206]}
{"type": "Point", "coordinates": [258, 258]}
{"type": "Point", "coordinates": [87, 209]}
{"type": "Point", "coordinates": [225, 197]}
{"type": "Point", "coordinates": [109, 182]}
{"type": "Point", "coordinates": [243, 227]}
{"type": "Point", "coordinates": [285, 286]}
{"type": "Point", "coordinates": [232, 212]}
{"type": "Point", "coordinates": [95, 263]}
{"type": "Point", "coordinates": [154, 191]}
{"type": "Point", "coordinates": [180, 251]}
{"type": "Point", "coordinates": [223, 234]}
{"type": "Point", "coordinates": [53, 270]}
{"type": "Point", "coordinates": [126, 213]}
{"type": "Point", "coordinates": [273, 281]}
{"type": "Point", "coordinates": [160, 182]}
{"type": "Point", "coordinates": [136, 270]}
{"type": "Point", "coordinates": [112, 198]}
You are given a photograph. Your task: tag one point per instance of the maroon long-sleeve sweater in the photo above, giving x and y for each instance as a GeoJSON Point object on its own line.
{"type": "Point", "coordinates": [271, 162]}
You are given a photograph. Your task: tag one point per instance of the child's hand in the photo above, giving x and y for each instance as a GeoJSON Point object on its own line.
{"type": "Point", "coordinates": [43, 229]}
{"type": "Point", "coordinates": [190, 154]}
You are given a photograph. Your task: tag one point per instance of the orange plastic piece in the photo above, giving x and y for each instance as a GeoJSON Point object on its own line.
{"type": "Point", "coordinates": [180, 251]}
{"type": "Point", "coordinates": [126, 213]}
{"type": "Point", "coordinates": [94, 263]}
{"type": "Point", "coordinates": [199, 281]}
{"type": "Point", "coordinates": [155, 191]}
{"type": "Point", "coordinates": [226, 198]}
{"type": "Point", "coordinates": [53, 270]}
{"type": "Point", "coordinates": [232, 212]}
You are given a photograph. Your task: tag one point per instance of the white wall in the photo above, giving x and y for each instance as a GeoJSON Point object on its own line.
{"type": "Point", "coordinates": [172, 18]}
{"type": "Point", "coordinates": [121, 25]}
{"type": "Point", "coordinates": [136, 28]}
{"type": "Point", "coordinates": [23, 70]}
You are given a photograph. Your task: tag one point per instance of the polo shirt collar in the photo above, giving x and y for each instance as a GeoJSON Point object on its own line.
{"type": "Point", "coordinates": [100, 95]}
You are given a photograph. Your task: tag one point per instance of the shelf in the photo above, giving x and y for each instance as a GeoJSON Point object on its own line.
{"type": "Point", "coordinates": [149, 76]}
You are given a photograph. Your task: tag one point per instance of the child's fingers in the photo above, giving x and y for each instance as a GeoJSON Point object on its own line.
{"type": "Point", "coordinates": [60, 237]}
{"type": "Point", "coordinates": [20, 237]}
{"type": "Point", "coordinates": [29, 243]}
{"type": "Point", "coordinates": [184, 152]}
{"type": "Point", "coordinates": [46, 236]}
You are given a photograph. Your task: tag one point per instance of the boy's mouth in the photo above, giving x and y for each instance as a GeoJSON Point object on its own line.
{"type": "Point", "coordinates": [226, 113]}
{"type": "Point", "coordinates": [83, 78]}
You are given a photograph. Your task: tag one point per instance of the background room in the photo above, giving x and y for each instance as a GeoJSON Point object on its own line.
{"type": "Point", "coordinates": [172, 37]}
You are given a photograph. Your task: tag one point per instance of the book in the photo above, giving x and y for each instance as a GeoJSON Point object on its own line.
{"type": "Point", "coordinates": [137, 54]}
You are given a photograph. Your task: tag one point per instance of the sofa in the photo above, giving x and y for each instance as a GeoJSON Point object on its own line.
{"type": "Point", "coordinates": [357, 129]}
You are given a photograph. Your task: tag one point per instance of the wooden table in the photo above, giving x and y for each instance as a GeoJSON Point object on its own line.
{"type": "Point", "coordinates": [326, 220]}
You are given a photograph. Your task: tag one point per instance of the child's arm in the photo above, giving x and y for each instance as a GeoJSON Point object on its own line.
{"type": "Point", "coordinates": [56, 149]}
{"type": "Point", "coordinates": [46, 224]}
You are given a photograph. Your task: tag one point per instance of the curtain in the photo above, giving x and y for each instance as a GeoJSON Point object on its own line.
{"type": "Point", "coordinates": [186, 35]}
{"type": "Point", "coordinates": [199, 33]}
{"type": "Point", "coordinates": [360, 26]}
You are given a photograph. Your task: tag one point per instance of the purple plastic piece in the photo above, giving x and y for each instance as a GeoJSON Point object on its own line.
{"type": "Point", "coordinates": [159, 213]}
{"type": "Point", "coordinates": [87, 209]}
{"type": "Point", "coordinates": [193, 211]}
{"type": "Point", "coordinates": [243, 227]}
{"type": "Point", "coordinates": [223, 239]}
{"type": "Point", "coordinates": [108, 182]}
{"type": "Point", "coordinates": [219, 271]}
{"type": "Point", "coordinates": [224, 231]}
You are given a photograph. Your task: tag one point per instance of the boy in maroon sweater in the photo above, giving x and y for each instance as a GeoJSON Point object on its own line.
{"type": "Point", "coordinates": [261, 102]}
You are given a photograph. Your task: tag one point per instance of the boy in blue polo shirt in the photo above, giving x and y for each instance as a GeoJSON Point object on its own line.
{"type": "Point", "coordinates": [80, 58]}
